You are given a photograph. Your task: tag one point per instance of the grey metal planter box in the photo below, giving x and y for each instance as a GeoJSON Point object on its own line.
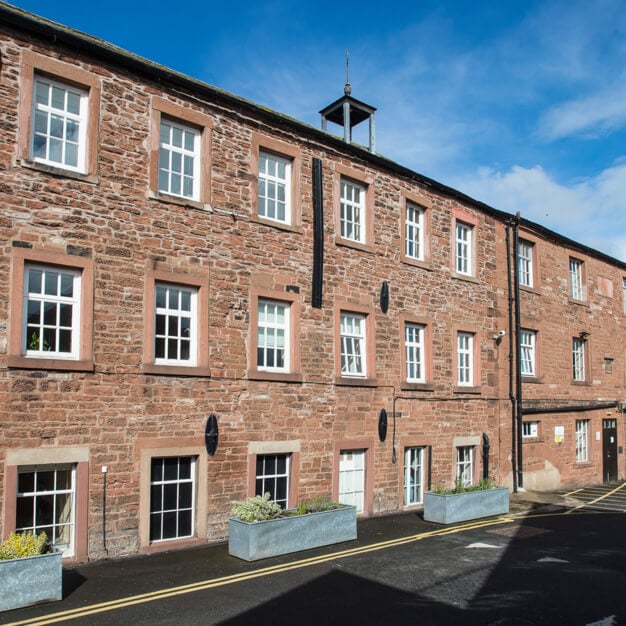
{"type": "Point", "coordinates": [30, 580]}
{"type": "Point", "coordinates": [460, 507]}
{"type": "Point", "coordinates": [283, 535]}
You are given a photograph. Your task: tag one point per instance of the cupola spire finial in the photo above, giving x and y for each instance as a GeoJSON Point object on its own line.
{"type": "Point", "coordinates": [347, 88]}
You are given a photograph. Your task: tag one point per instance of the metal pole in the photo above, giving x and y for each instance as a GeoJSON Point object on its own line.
{"type": "Point", "coordinates": [511, 395]}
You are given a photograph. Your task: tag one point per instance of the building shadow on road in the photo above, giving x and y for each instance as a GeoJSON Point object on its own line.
{"type": "Point", "coordinates": [533, 571]}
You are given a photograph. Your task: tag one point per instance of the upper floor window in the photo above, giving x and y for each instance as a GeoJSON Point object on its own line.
{"type": "Point", "coordinates": [273, 336]}
{"type": "Point", "coordinates": [175, 325]}
{"type": "Point", "coordinates": [52, 312]}
{"type": "Point", "coordinates": [274, 187]}
{"type": "Point", "coordinates": [59, 124]}
{"type": "Point", "coordinates": [179, 160]}
{"type": "Point", "coordinates": [414, 232]}
{"type": "Point", "coordinates": [465, 359]}
{"type": "Point", "coordinates": [464, 249]}
{"type": "Point", "coordinates": [578, 358]}
{"type": "Point", "coordinates": [577, 291]}
{"type": "Point", "coordinates": [527, 352]}
{"type": "Point", "coordinates": [352, 211]}
{"type": "Point", "coordinates": [525, 263]}
{"type": "Point", "coordinates": [352, 330]}
{"type": "Point", "coordinates": [624, 294]}
{"type": "Point", "coordinates": [414, 352]}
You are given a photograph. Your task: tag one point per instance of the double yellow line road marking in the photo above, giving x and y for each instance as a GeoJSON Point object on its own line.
{"type": "Point", "coordinates": [171, 592]}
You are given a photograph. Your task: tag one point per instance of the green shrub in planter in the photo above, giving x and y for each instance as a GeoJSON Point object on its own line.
{"type": "Point", "coordinates": [29, 571]}
{"type": "Point", "coordinates": [18, 546]}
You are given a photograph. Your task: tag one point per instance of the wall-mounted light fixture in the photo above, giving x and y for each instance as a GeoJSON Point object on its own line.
{"type": "Point", "coordinates": [583, 335]}
{"type": "Point", "coordinates": [384, 296]}
{"type": "Point", "coordinates": [211, 435]}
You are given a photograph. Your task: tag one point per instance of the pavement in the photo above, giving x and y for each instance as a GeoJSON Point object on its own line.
{"type": "Point", "coordinates": [109, 580]}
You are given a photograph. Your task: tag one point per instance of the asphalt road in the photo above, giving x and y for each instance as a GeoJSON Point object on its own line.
{"type": "Point", "coordinates": [553, 566]}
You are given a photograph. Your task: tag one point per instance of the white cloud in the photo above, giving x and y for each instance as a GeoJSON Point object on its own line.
{"type": "Point", "coordinates": [590, 211]}
{"type": "Point", "coordinates": [597, 114]}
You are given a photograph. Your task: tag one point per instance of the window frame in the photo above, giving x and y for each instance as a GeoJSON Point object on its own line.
{"type": "Point", "coordinates": [179, 314]}
{"type": "Point", "coordinates": [470, 352]}
{"type": "Point", "coordinates": [68, 117]}
{"type": "Point", "coordinates": [582, 441]}
{"type": "Point", "coordinates": [258, 293]}
{"type": "Point", "coordinates": [149, 448]}
{"type": "Point", "coordinates": [579, 359]}
{"type": "Point", "coordinates": [18, 356]}
{"type": "Point", "coordinates": [528, 352]}
{"type": "Point", "coordinates": [367, 445]}
{"type": "Point", "coordinates": [532, 426]}
{"type": "Point", "coordinates": [526, 263]}
{"type": "Point", "coordinates": [193, 480]}
{"type": "Point", "coordinates": [34, 64]}
{"type": "Point", "coordinates": [360, 453]}
{"type": "Point", "coordinates": [418, 346]}
{"type": "Point", "coordinates": [576, 282]}
{"type": "Point", "coordinates": [35, 493]}
{"type": "Point", "coordinates": [58, 300]}
{"type": "Point", "coordinates": [366, 183]}
{"type": "Point", "coordinates": [264, 477]}
{"type": "Point", "coordinates": [407, 501]}
{"type": "Point", "coordinates": [78, 458]}
{"type": "Point", "coordinates": [343, 305]}
{"type": "Point", "coordinates": [263, 448]}
{"type": "Point", "coordinates": [197, 282]}
{"type": "Point", "coordinates": [464, 465]}
{"type": "Point", "coordinates": [463, 219]}
{"type": "Point", "coordinates": [196, 153]}
{"type": "Point", "coordinates": [285, 327]}
{"type": "Point", "coordinates": [359, 341]}
{"type": "Point", "coordinates": [187, 117]}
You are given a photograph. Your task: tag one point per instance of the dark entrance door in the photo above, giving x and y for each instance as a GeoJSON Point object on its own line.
{"type": "Point", "coordinates": [609, 450]}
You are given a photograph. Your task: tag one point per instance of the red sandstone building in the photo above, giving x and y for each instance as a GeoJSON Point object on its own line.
{"type": "Point", "coordinates": [171, 252]}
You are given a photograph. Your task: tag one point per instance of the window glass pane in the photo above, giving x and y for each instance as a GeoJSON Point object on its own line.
{"type": "Point", "coordinates": [58, 98]}
{"type": "Point", "coordinates": [184, 523]}
{"type": "Point", "coordinates": [51, 279]}
{"type": "Point", "coordinates": [170, 496]}
{"type": "Point", "coordinates": [45, 480]}
{"type": "Point", "coordinates": [67, 285]}
{"type": "Point", "coordinates": [169, 525]}
{"type": "Point", "coordinates": [170, 468]}
{"type": "Point", "coordinates": [24, 512]}
{"type": "Point", "coordinates": [41, 92]}
{"type": "Point", "coordinates": [25, 482]}
{"type": "Point", "coordinates": [156, 469]}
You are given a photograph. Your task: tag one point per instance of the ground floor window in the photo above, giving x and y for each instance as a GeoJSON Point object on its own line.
{"type": "Point", "coordinates": [352, 478]}
{"type": "Point", "coordinates": [530, 429]}
{"type": "Point", "coordinates": [272, 476]}
{"type": "Point", "coordinates": [172, 497]}
{"type": "Point", "coordinates": [582, 440]}
{"type": "Point", "coordinates": [413, 475]}
{"type": "Point", "coordinates": [464, 465]}
{"type": "Point", "coordinates": [46, 502]}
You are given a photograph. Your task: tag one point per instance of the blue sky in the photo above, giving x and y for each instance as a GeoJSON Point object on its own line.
{"type": "Point", "coordinates": [519, 104]}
